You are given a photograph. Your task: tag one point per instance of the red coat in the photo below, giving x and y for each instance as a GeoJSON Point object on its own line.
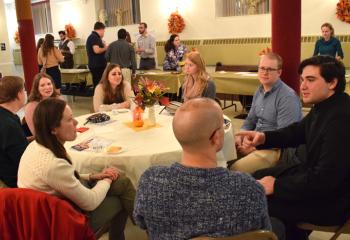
{"type": "Point", "coordinates": [26, 214]}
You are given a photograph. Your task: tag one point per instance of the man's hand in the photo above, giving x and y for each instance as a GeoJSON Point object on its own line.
{"type": "Point", "coordinates": [268, 183]}
{"type": "Point", "coordinates": [140, 50]}
{"type": "Point", "coordinates": [251, 138]}
{"type": "Point", "coordinates": [238, 141]}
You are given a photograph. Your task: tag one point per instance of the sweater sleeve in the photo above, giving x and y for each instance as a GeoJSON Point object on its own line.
{"type": "Point", "coordinates": [317, 48]}
{"type": "Point", "coordinates": [98, 97]}
{"type": "Point", "coordinates": [339, 49]}
{"type": "Point", "coordinates": [60, 176]}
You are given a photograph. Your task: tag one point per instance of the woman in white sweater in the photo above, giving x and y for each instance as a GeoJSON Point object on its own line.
{"type": "Point", "coordinates": [45, 166]}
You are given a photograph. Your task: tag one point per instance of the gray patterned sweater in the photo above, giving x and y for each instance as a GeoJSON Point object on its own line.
{"type": "Point", "coordinates": [179, 202]}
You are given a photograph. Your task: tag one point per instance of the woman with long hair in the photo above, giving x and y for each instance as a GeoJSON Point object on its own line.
{"type": "Point", "coordinates": [328, 44]}
{"type": "Point", "coordinates": [112, 92]}
{"type": "Point", "coordinates": [46, 166]}
{"type": "Point", "coordinates": [174, 53]}
{"type": "Point", "coordinates": [197, 81]}
{"type": "Point", "coordinates": [43, 88]}
{"type": "Point", "coordinates": [49, 57]}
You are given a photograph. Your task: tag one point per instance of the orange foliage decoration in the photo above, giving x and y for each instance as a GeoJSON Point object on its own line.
{"type": "Point", "coordinates": [16, 37]}
{"type": "Point", "coordinates": [264, 51]}
{"type": "Point", "coordinates": [70, 31]}
{"type": "Point", "coordinates": [343, 10]}
{"type": "Point", "coordinates": [176, 23]}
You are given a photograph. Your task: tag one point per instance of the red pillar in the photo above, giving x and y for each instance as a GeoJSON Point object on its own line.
{"type": "Point", "coordinates": [26, 34]}
{"type": "Point", "coordinates": [286, 38]}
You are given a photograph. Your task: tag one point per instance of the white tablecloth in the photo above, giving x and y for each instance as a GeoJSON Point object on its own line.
{"type": "Point", "coordinates": [140, 149]}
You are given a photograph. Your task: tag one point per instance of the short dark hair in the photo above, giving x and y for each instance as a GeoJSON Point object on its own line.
{"type": "Point", "coordinates": [62, 32]}
{"type": "Point", "coordinates": [330, 68]}
{"type": "Point", "coordinates": [99, 25]}
{"type": "Point", "coordinates": [10, 86]}
{"type": "Point", "coordinates": [144, 24]}
{"type": "Point", "coordinates": [122, 33]}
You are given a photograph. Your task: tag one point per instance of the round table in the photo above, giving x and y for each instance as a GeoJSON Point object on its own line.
{"type": "Point", "coordinates": [140, 149]}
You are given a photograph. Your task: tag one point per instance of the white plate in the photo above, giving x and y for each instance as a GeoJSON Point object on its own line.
{"type": "Point", "coordinates": [123, 110]}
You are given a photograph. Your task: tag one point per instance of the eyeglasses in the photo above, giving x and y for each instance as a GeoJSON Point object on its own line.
{"type": "Point", "coordinates": [267, 70]}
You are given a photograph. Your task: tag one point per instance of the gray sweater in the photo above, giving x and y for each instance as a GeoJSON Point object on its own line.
{"type": "Point", "coordinates": [179, 202]}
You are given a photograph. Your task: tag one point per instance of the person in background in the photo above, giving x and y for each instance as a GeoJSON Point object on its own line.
{"type": "Point", "coordinates": [13, 142]}
{"type": "Point", "coordinates": [315, 190]}
{"type": "Point", "coordinates": [197, 81]}
{"type": "Point", "coordinates": [128, 38]}
{"type": "Point", "coordinates": [195, 197]}
{"type": "Point", "coordinates": [46, 166]}
{"type": "Point", "coordinates": [328, 44]}
{"type": "Point", "coordinates": [122, 53]}
{"type": "Point", "coordinates": [49, 57]}
{"type": "Point", "coordinates": [38, 45]}
{"type": "Point", "coordinates": [275, 105]}
{"type": "Point", "coordinates": [95, 48]}
{"type": "Point", "coordinates": [174, 53]}
{"type": "Point", "coordinates": [67, 48]}
{"type": "Point", "coordinates": [43, 88]}
{"type": "Point", "coordinates": [112, 92]}
{"type": "Point", "coordinates": [146, 48]}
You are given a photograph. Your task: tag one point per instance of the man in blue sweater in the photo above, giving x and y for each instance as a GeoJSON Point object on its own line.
{"type": "Point", "coordinates": [195, 197]}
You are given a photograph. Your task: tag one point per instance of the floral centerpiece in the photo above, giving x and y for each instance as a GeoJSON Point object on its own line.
{"type": "Point", "coordinates": [149, 92]}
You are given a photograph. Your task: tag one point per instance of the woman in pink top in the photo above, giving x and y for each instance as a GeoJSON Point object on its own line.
{"type": "Point", "coordinates": [49, 57]}
{"type": "Point", "coordinates": [43, 87]}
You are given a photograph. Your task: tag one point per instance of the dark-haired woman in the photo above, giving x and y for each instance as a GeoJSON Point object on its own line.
{"type": "Point", "coordinates": [38, 45]}
{"type": "Point", "coordinates": [112, 92]}
{"type": "Point", "coordinates": [43, 88]}
{"type": "Point", "coordinates": [45, 166]}
{"type": "Point", "coordinates": [49, 57]}
{"type": "Point", "coordinates": [174, 53]}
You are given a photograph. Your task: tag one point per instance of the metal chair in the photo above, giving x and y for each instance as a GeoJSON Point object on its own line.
{"type": "Point", "coordinates": [252, 235]}
{"type": "Point", "coordinates": [337, 230]}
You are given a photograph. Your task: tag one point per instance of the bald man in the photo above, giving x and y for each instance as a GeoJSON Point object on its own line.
{"type": "Point", "coordinates": [195, 197]}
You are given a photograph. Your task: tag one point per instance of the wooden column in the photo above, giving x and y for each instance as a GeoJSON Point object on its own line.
{"type": "Point", "coordinates": [26, 34]}
{"type": "Point", "coordinates": [286, 38]}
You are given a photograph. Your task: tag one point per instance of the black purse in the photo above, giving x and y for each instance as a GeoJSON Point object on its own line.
{"type": "Point", "coordinates": [98, 118]}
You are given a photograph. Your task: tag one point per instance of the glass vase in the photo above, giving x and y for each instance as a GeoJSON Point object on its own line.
{"type": "Point", "coordinates": [151, 116]}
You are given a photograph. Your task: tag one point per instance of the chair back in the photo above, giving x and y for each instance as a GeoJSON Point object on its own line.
{"type": "Point", "coordinates": [30, 214]}
{"type": "Point", "coordinates": [252, 235]}
{"type": "Point", "coordinates": [337, 230]}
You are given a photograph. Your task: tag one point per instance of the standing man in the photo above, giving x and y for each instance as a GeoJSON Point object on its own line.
{"type": "Point", "coordinates": [13, 142]}
{"type": "Point", "coordinates": [275, 105]}
{"type": "Point", "coordinates": [317, 189]}
{"type": "Point", "coordinates": [195, 197]}
{"type": "Point", "coordinates": [67, 49]}
{"type": "Point", "coordinates": [122, 53]}
{"type": "Point", "coordinates": [96, 48]}
{"type": "Point", "coordinates": [146, 48]}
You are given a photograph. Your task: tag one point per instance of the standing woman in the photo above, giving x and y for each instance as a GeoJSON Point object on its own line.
{"type": "Point", "coordinates": [38, 45]}
{"type": "Point", "coordinates": [174, 53]}
{"type": "Point", "coordinates": [197, 81]}
{"type": "Point", "coordinates": [112, 92]}
{"type": "Point", "coordinates": [43, 88]}
{"type": "Point", "coordinates": [328, 44]}
{"type": "Point", "coordinates": [46, 166]}
{"type": "Point", "coordinates": [49, 57]}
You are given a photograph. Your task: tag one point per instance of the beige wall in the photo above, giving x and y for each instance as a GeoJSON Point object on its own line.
{"type": "Point", "coordinates": [5, 56]}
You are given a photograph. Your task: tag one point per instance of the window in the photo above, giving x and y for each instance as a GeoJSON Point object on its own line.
{"type": "Point", "coordinates": [118, 12]}
{"type": "Point", "coordinates": [41, 17]}
{"type": "Point", "coordinates": [226, 8]}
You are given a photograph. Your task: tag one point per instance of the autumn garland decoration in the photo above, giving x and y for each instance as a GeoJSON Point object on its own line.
{"type": "Point", "coordinates": [176, 23]}
{"type": "Point", "coordinates": [343, 10]}
{"type": "Point", "coordinates": [70, 31]}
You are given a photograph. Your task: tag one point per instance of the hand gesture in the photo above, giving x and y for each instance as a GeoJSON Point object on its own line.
{"type": "Point", "coordinates": [252, 138]}
{"type": "Point", "coordinates": [268, 183]}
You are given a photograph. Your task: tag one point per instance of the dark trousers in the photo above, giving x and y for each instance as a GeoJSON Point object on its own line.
{"type": "Point", "coordinates": [96, 74]}
{"type": "Point", "coordinates": [55, 73]}
{"type": "Point", "coordinates": [147, 63]}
